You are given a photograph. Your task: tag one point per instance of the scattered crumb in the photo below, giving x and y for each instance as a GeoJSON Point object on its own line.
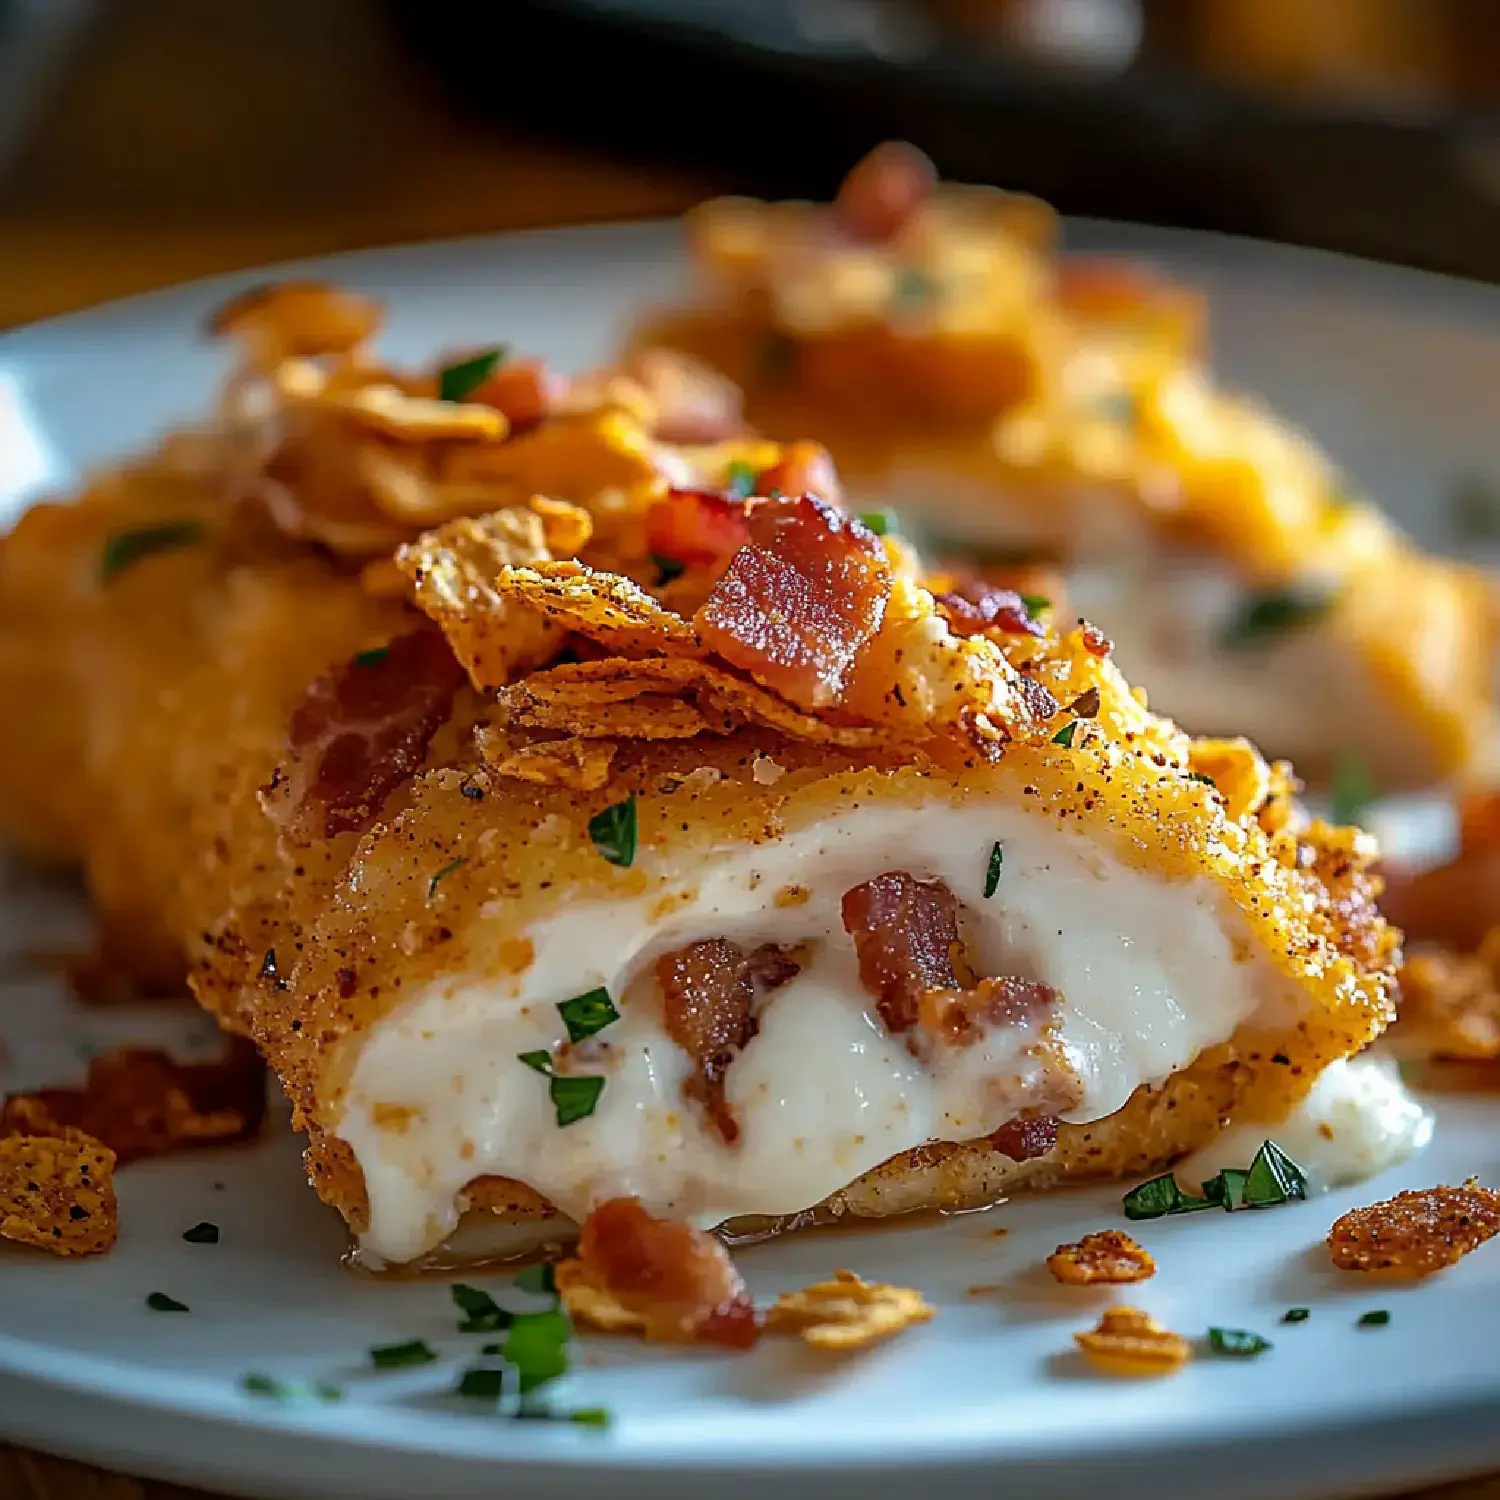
{"type": "Point", "coordinates": [1131, 1342]}
{"type": "Point", "coordinates": [57, 1193]}
{"type": "Point", "coordinates": [1106, 1256]}
{"type": "Point", "coordinates": [766, 772]}
{"type": "Point", "coordinates": [847, 1312]}
{"type": "Point", "coordinates": [1416, 1233]}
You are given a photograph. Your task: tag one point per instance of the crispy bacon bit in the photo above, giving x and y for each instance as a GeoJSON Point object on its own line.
{"type": "Point", "coordinates": [361, 730]}
{"type": "Point", "coordinates": [978, 606]}
{"type": "Point", "coordinates": [57, 1193]}
{"type": "Point", "coordinates": [1105, 1256]}
{"type": "Point", "coordinates": [661, 1278]}
{"type": "Point", "coordinates": [709, 991]}
{"type": "Point", "coordinates": [1095, 642]}
{"type": "Point", "coordinates": [905, 934]}
{"type": "Point", "coordinates": [524, 389]}
{"type": "Point", "coordinates": [1416, 1233]}
{"type": "Point", "coordinates": [694, 403]}
{"type": "Point", "coordinates": [1131, 1342]}
{"type": "Point", "coordinates": [803, 469]}
{"type": "Point", "coordinates": [1027, 1138]}
{"type": "Point", "coordinates": [1101, 290]}
{"type": "Point", "coordinates": [140, 1102]}
{"type": "Point", "coordinates": [696, 526]}
{"type": "Point", "coordinates": [848, 1313]}
{"type": "Point", "coordinates": [796, 604]}
{"type": "Point", "coordinates": [963, 1015]}
{"type": "Point", "coordinates": [883, 191]}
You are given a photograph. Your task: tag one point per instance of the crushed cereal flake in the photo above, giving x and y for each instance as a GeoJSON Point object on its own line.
{"type": "Point", "coordinates": [1106, 1256]}
{"type": "Point", "coordinates": [57, 1193]}
{"type": "Point", "coordinates": [1416, 1233]}
{"type": "Point", "coordinates": [847, 1312]}
{"type": "Point", "coordinates": [1131, 1342]}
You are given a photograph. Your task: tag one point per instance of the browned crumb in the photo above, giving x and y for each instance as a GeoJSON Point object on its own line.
{"type": "Point", "coordinates": [1131, 1342]}
{"type": "Point", "coordinates": [1107, 1256]}
{"type": "Point", "coordinates": [847, 1313]}
{"type": "Point", "coordinates": [57, 1193]}
{"type": "Point", "coordinates": [1416, 1233]}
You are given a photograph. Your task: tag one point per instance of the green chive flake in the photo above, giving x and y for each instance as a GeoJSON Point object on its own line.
{"type": "Point", "coordinates": [482, 1382]}
{"type": "Point", "coordinates": [1273, 613]}
{"type": "Point", "coordinates": [1238, 1343]}
{"type": "Point", "coordinates": [1064, 736]}
{"type": "Point", "coordinates": [881, 522]}
{"type": "Point", "coordinates": [402, 1356]}
{"type": "Point", "coordinates": [1159, 1197]}
{"type": "Point", "coordinates": [540, 1060]}
{"type": "Point", "coordinates": [575, 1098]}
{"type": "Point", "coordinates": [160, 1302]}
{"type": "Point", "coordinates": [586, 1014]}
{"type": "Point", "coordinates": [613, 832]}
{"type": "Point", "coordinates": [588, 1416]}
{"type": "Point", "coordinates": [1296, 1315]}
{"type": "Point", "coordinates": [667, 568]}
{"type": "Point", "coordinates": [537, 1346]}
{"type": "Point", "coordinates": [447, 870]}
{"type": "Point", "coordinates": [1377, 1319]}
{"type": "Point", "coordinates": [202, 1233]}
{"type": "Point", "coordinates": [258, 1384]}
{"type": "Point", "coordinates": [992, 874]}
{"type": "Point", "coordinates": [540, 1280]}
{"type": "Point", "coordinates": [1200, 777]}
{"type": "Point", "coordinates": [1227, 1189]}
{"type": "Point", "coordinates": [127, 547]}
{"type": "Point", "coordinates": [457, 382]}
{"type": "Point", "coordinates": [1035, 604]}
{"type": "Point", "coordinates": [373, 657]}
{"type": "Point", "coordinates": [1273, 1178]}
{"type": "Point", "coordinates": [482, 1314]}
{"type": "Point", "coordinates": [1353, 790]}
{"type": "Point", "coordinates": [740, 479]}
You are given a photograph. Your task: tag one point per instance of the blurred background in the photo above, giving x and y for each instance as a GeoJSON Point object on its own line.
{"type": "Point", "coordinates": [146, 141]}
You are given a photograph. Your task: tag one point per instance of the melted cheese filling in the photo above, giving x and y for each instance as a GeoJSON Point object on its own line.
{"type": "Point", "coordinates": [1146, 970]}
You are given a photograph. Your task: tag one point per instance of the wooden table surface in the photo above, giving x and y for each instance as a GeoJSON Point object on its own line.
{"type": "Point", "coordinates": [188, 138]}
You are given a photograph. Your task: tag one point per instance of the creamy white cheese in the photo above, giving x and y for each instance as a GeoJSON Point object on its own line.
{"type": "Point", "coordinates": [1358, 1120]}
{"type": "Point", "coordinates": [1147, 970]}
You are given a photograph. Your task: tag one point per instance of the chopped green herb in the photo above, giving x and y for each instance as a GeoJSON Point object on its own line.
{"type": "Point", "coordinates": [1377, 1319]}
{"type": "Point", "coordinates": [1064, 736]}
{"type": "Point", "coordinates": [914, 285]}
{"type": "Point", "coordinates": [471, 792]}
{"type": "Point", "coordinates": [1239, 1343]}
{"type": "Point", "coordinates": [583, 1015]}
{"type": "Point", "coordinates": [588, 1416]}
{"type": "Point", "coordinates": [401, 1356]}
{"type": "Point", "coordinates": [457, 382]}
{"type": "Point", "coordinates": [127, 547]}
{"type": "Point", "coordinates": [268, 969]}
{"type": "Point", "coordinates": [1035, 604]}
{"type": "Point", "coordinates": [881, 522]}
{"type": "Point", "coordinates": [740, 480]}
{"type": "Point", "coordinates": [160, 1302]}
{"type": "Point", "coordinates": [202, 1234]}
{"type": "Point", "coordinates": [447, 870]}
{"type": "Point", "coordinates": [1206, 780]}
{"type": "Point", "coordinates": [290, 1390]}
{"type": "Point", "coordinates": [1272, 613]}
{"type": "Point", "coordinates": [1353, 790]}
{"type": "Point", "coordinates": [992, 874]}
{"type": "Point", "coordinates": [1159, 1197]}
{"type": "Point", "coordinates": [540, 1279]}
{"type": "Point", "coordinates": [1474, 509]}
{"type": "Point", "coordinates": [540, 1060]}
{"type": "Point", "coordinates": [482, 1314]}
{"type": "Point", "coordinates": [483, 1382]}
{"type": "Point", "coordinates": [575, 1098]}
{"type": "Point", "coordinates": [1227, 1189]}
{"type": "Point", "coordinates": [667, 568]}
{"type": "Point", "coordinates": [537, 1345]}
{"type": "Point", "coordinates": [372, 657]}
{"type": "Point", "coordinates": [614, 832]}
{"type": "Point", "coordinates": [1296, 1315]}
{"type": "Point", "coordinates": [1273, 1178]}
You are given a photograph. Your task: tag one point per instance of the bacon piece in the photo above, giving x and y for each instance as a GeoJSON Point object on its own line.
{"type": "Point", "coordinates": [697, 526]}
{"type": "Point", "coordinates": [803, 469]}
{"type": "Point", "coordinates": [883, 191]}
{"type": "Point", "coordinates": [524, 389]}
{"type": "Point", "coordinates": [905, 934]}
{"type": "Point", "coordinates": [360, 731]}
{"type": "Point", "coordinates": [1107, 290]}
{"type": "Point", "coordinates": [708, 998]}
{"type": "Point", "coordinates": [796, 604]}
{"type": "Point", "coordinates": [1095, 642]}
{"type": "Point", "coordinates": [1027, 1138]}
{"type": "Point", "coordinates": [678, 1281]}
{"type": "Point", "coordinates": [963, 1015]}
{"type": "Point", "coordinates": [979, 606]}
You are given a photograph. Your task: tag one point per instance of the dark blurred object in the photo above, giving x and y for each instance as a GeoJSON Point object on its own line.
{"type": "Point", "coordinates": [1361, 125]}
{"type": "Point", "coordinates": [34, 37]}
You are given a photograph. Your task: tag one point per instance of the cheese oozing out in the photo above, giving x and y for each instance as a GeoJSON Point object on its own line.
{"type": "Point", "coordinates": [1146, 970]}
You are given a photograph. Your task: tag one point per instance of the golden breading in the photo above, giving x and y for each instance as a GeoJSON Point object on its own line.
{"type": "Point", "coordinates": [582, 764]}
{"type": "Point", "coordinates": [1416, 1233]}
{"type": "Point", "coordinates": [610, 610]}
{"type": "Point", "coordinates": [1450, 1003]}
{"type": "Point", "coordinates": [1106, 1256]}
{"type": "Point", "coordinates": [57, 1193]}
{"type": "Point", "coordinates": [847, 1313]}
{"type": "Point", "coordinates": [1130, 1342]}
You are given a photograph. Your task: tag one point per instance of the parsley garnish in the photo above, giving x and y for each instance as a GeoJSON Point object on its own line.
{"type": "Point", "coordinates": [1240, 1343]}
{"type": "Point", "coordinates": [1226, 1190]}
{"type": "Point", "coordinates": [1353, 790]}
{"type": "Point", "coordinates": [400, 1356]}
{"type": "Point", "coordinates": [482, 1314]}
{"type": "Point", "coordinates": [537, 1345]}
{"type": "Point", "coordinates": [992, 874]}
{"type": "Point", "coordinates": [482, 1382]}
{"type": "Point", "coordinates": [1035, 604]}
{"type": "Point", "coordinates": [1160, 1196]}
{"type": "Point", "coordinates": [1064, 736]}
{"type": "Point", "coordinates": [739, 480]}
{"type": "Point", "coordinates": [1296, 1315]}
{"type": "Point", "coordinates": [1377, 1319]}
{"type": "Point", "coordinates": [574, 1096]}
{"type": "Point", "coordinates": [881, 522]}
{"type": "Point", "coordinates": [127, 547]}
{"type": "Point", "coordinates": [371, 657]}
{"type": "Point", "coordinates": [583, 1015]}
{"type": "Point", "coordinates": [587, 1416]}
{"type": "Point", "coordinates": [913, 284]}
{"type": "Point", "coordinates": [268, 969]}
{"type": "Point", "coordinates": [160, 1302]}
{"type": "Point", "coordinates": [457, 382]}
{"type": "Point", "coordinates": [1206, 780]}
{"type": "Point", "coordinates": [202, 1234]}
{"type": "Point", "coordinates": [1273, 1178]}
{"type": "Point", "coordinates": [257, 1384]}
{"type": "Point", "coordinates": [540, 1280]}
{"type": "Point", "coordinates": [614, 830]}
{"type": "Point", "coordinates": [1272, 613]}
{"type": "Point", "coordinates": [667, 568]}
{"type": "Point", "coordinates": [447, 869]}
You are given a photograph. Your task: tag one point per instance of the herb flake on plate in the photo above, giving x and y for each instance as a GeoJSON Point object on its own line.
{"type": "Point", "coordinates": [586, 1014]}
{"type": "Point", "coordinates": [613, 832]}
{"type": "Point", "coordinates": [992, 873]}
{"type": "Point", "coordinates": [1160, 1196]}
{"type": "Point", "coordinates": [1264, 616]}
{"type": "Point", "coordinates": [402, 1356]}
{"type": "Point", "coordinates": [1273, 1178]}
{"type": "Point", "coordinates": [739, 480]}
{"type": "Point", "coordinates": [1238, 1343]}
{"type": "Point", "coordinates": [1296, 1315]}
{"type": "Point", "coordinates": [127, 547]}
{"type": "Point", "coordinates": [459, 381]}
{"type": "Point", "coordinates": [1034, 604]}
{"type": "Point", "coordinates": [880, 522]}
{"type": "Point", "coordinates": [482, 1314]}
{"type": "Point", "coordinates": [1064, 736]}
{"type": "Point", "coordinates": [447, 870]}
{"type": "Point", "coordinates": [574, 1095]}
{"type": "Point", "coordinates": [259, 1384]}
{"type": "Point", "coordinates": [1376, 1319]}
{"type": "Point", "coordinates": [202, 1233]}
{"type": "Point", "coordinates": [160, 1302]}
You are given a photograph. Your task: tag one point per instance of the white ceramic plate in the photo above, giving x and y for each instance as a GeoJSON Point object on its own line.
{"type": "Point", "coordinates": [1397, 374]}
